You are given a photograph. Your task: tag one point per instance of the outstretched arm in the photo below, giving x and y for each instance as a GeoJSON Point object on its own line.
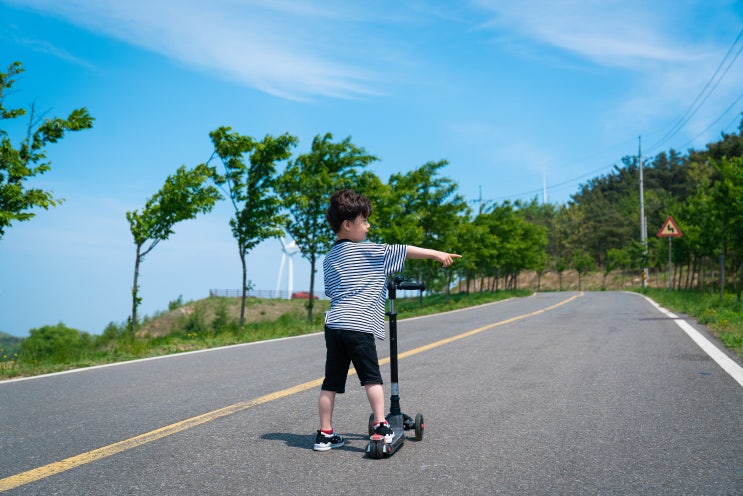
{"type": "Point", "coordinates": [446, 259]}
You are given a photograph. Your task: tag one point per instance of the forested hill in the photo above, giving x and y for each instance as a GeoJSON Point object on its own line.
{"type": "Point", "coordinates": [701, 190]}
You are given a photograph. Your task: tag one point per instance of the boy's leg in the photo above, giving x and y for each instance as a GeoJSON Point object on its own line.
{"type": "Point", "coordinates": [325, 405]}
{"type": "Point", "coordinates": [327, 438]}
{"type": "Point", "coordinates": [375, 395]}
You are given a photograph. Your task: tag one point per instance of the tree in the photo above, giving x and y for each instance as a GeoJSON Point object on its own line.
{"type": "Point", "coordinates": [56, 344]}
{"type": "Point", "coordinates": [423, 209]}
{"type": "Point", "coordinates": [183, 196]}
{"type": "Point", "coordinates": [19, 164]}
{"type": "Point", "coordinates": [250, 187]}
{"type": "Point", "coordinates": [305, 188]}
{"type": "Point", "coordinates": [727, 195]}
{"type": "Point", "coordinates": [583, 263]}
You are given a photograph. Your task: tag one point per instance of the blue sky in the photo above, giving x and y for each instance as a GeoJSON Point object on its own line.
{"type": "Point", "coordinates": [510, 93]}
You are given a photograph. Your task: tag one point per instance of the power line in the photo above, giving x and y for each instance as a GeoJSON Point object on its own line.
{"type": "Point", "coordinates": [703, 95]}
{"type": "Point", "coordinates": [716, 121]}
{"type": "Point", "coordinates": [700, 99]}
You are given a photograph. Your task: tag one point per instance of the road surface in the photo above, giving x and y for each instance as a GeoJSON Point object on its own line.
{"type": "Point", "coordinates": [557, 393]}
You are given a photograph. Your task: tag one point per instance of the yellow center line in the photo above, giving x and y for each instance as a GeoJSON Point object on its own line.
{"type": "Point", "coordinates": [75, 461]}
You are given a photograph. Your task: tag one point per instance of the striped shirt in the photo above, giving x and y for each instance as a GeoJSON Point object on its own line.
{"type": "Point", "coordinates": [355, 282]}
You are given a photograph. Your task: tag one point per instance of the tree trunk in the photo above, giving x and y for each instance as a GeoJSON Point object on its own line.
{"type": "Point", "coordinates": [448, 286]}
{"type": "Point", "coordinates": [135, 291]}
{"type": "Point", "coordinates": [722, 272]}
{"type": "Point", "coordinates": [310, 305]}
{"type": "Point", "coordinates": [244, 289]}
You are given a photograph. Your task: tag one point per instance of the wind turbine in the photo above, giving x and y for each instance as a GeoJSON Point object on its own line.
{"type": "Point", "coordinates": [288, 250]}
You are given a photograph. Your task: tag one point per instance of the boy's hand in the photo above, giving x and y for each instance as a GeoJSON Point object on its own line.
{"type": "Point", "coordinates": [447, 259]}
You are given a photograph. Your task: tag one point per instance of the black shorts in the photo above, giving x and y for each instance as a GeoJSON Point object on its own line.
{"type": "Point", "coordinates": [346, 347]}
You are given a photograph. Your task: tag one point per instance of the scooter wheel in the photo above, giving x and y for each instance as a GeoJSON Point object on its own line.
{"type": "Point", "coordinates": [376, 449]}
{"type": "Point", "coordinates": [371, 424]}
{"type": "Point", "coordinates": [419, 426]}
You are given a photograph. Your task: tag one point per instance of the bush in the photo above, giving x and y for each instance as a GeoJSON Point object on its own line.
{"type": "Point", "coordinates": [53, 344]}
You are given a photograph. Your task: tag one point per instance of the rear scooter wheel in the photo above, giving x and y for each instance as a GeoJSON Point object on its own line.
{"type": "Point", "coordinates": [419, 427]}
{"type": "Point", "coordinates": [376, 448]}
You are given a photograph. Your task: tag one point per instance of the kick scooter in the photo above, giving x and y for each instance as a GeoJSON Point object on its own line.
{"type": "Point", "coordinates": [398, 421]}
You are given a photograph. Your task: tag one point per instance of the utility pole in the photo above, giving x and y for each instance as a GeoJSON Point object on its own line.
{"type": "Point", "coordinates": [643, 225]}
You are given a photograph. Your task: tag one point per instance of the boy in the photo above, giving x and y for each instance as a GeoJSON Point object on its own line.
{"type": "Point", "coordinates": [355, 280]}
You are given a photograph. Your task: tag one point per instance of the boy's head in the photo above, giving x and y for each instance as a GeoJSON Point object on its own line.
{"type": "Point", "coordinates": [346, 204]}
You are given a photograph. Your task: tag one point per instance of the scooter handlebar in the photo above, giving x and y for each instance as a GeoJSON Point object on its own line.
{"type": "Point", "coordinates": [411, 286]}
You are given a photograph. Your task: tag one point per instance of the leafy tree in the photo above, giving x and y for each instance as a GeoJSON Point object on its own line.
{"type": "Point", "coordinates": [56, 344]}
{"type": "Point", "coordinates": [423, 209]}
{"type": "Point", "coordinates": [477, 250]}
{"type": "Point", "coordinates": [305, 188]}
{"type": "Point", "coordinates": [617, 258]}
{"type": "Point", "coordinates": [28, 159]}
{"type": "Point", "coordinates": [250, 187]}
{"type": "Point", "coordinates": [183, 196]}
{"type": "Point", "coordinates": [583, 263]}
{"type": "Point", "coordinates": [727, 195]}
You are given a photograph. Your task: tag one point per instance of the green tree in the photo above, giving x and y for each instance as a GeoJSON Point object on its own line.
{"type": "Point", "coordinates": [422, 208]}
{"type": "Point", "coordinates": [616, 258]}
{"type": "Point", "coordinates": [28, 159]}
{"type": "Point", "coordinates": [477, 250]}
{"type": "Point", "coordinates": [183, 196]}
{"type": "Point", "coordinates": [583, 263]}
{"type": "Point", "coordinates": [251, 188]}
{"type": "Point", "coordinates": [727, 195]}
{"type": "Point", "coordinates": [56, 344]}
{"type": "Point", "coordinates": [305, 188]}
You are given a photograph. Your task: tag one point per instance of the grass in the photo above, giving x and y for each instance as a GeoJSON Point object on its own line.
{"type": "Point", "coordinates": [724, 317]}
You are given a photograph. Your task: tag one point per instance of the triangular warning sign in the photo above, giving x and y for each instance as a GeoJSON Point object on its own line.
{"type": "Point", "coordinates": [669, 229]}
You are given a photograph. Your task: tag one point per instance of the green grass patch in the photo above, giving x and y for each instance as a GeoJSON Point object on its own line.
{"type": "Point", "coordinates": [723, 316]}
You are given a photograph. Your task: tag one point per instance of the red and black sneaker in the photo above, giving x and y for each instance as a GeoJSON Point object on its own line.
{"type": "Point", "coordinates": [383, 429]}
{"type": "Point", "coordinates": [324, 442]}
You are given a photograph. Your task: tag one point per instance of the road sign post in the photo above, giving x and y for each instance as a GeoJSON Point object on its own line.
{"type": "Point", "coordinates": [669, 230]}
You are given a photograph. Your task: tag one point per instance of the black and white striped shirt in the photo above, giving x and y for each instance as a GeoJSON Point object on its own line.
{"type": "Point", "coordinates": [355, 282]}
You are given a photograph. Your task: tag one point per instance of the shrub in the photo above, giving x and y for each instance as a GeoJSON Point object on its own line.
{"type": "Point", "coordinates": [53, 344]}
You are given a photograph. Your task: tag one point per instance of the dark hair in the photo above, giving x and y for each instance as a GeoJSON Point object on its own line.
{"type": "Point", "coordinates": [346, 204]}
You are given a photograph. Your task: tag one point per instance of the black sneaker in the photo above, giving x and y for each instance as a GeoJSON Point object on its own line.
{"type": "Point", "coordinates": [384, 430]}
{"type": "Point", "coordinates": [324, 442]}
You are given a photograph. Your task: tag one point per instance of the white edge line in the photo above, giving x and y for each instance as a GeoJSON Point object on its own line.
{"type": "Point", "coordinates": [725, 362]}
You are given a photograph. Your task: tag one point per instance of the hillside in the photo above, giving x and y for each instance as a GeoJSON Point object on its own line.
{"type": "Point", "coordinates": [9, 345]}
{"type": "Point", "coordinates": [204, 313]}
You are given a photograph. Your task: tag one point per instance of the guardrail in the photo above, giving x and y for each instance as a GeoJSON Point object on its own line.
{"type": "Point", "coordinates": [258, 293]}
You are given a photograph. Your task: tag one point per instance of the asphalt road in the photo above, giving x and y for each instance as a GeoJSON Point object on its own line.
{"type": "Point", "coordinates": [558, 393]}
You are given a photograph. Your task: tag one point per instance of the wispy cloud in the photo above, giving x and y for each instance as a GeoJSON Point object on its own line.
{"type": "Point", "coordinates": [12, 34]}
{"type": "Point", "coordinates": [286, 48]}
{"type": "Point", "coordinates": [667, 52]}
{"type": "Point", "coordinates": [627, 34]}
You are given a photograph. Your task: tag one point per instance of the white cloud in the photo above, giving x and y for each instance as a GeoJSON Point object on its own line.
{"type": "Point", "coordinates": [627, 34]}
{"type": "Point", "coordinates": [285, 50]}
{"type": "Point", "coordinates": [666, 51]}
